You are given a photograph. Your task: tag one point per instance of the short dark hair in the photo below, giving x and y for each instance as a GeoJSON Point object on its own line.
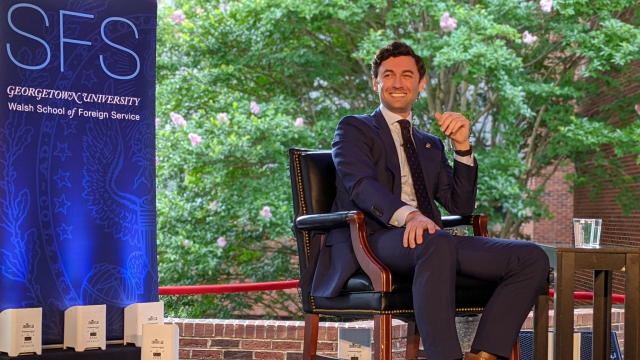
{"type": "Point", "coordinates": [396, 49]}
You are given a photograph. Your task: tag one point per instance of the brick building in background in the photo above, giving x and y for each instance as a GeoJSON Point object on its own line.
{"type": "Point", "coordinates": [617, 229]}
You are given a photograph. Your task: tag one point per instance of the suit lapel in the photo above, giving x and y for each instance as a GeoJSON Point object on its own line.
{"type": "Point", "coordinates": [429, 158]}
{"type": "Point", "coordinates": [390, 149]}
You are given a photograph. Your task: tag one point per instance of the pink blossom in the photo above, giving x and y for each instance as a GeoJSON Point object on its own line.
{"type": "Point", "coordinates": [299, 122]}
{"type": "Point", "coordinates": [266, 212]}
{"type": "Point", "coordinates": [546, 5]}
{"type": "Point", "coordinates": [224, 7]}
{"type": "Point", "coordinates": [178, 119]}
{"type": "Point", "coordinates": [528, 39]}
{"type": "Point", "coordinates": [638, 109]}
{"type": "Point", "coordinates": [255, 109]}
{"type": "Point", "coordinates": [186, 243]}
{"type": "Point", "coordinates": [223, 118]}
{"type": "Point", "coordinates": [195, 139]}
{"type": "Point", "coordinates": [158, 121]}
{"type": "Point", "coordinates": [447, 23]}
{"type": "Point", "coordinates": [222, 242]}
{"type": "Point", "coordinates": [178, 17]}
{"type": "Point", "coordinates": [213, 206]}
{"type": "Point", "coordinates": [200, 11]}
{"type": "Point", "coordinates": [157, 161]}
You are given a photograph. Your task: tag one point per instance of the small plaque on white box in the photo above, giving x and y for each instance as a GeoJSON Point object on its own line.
{"type": "Point", "coordinates": [160, 342]}
{"type": "Point", "coordinates": [84, 327]}
{"type": "Point", "coordinates": [354, 344]}
{"type": "Point", "coordinates": [21, 331]}
{"type": "Point", "coordinates": [136, 315]}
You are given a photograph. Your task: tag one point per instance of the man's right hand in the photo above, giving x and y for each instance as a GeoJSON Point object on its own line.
{"type": "Point", "coordinates": [416, 224]}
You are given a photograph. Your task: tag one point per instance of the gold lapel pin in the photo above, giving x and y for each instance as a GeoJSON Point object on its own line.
{"type": "Point", "coordinates": [428, 146]}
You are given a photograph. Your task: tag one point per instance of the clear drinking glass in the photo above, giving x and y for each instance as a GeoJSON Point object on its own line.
{"type": "Point", "coordinates": [587, 232]}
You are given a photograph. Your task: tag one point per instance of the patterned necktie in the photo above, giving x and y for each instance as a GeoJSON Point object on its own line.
{"type": "Point", "coordinates": [419, 185]}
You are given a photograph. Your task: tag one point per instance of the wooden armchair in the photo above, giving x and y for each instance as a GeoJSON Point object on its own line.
{"type": "Point", "coordinates": [375, 293]}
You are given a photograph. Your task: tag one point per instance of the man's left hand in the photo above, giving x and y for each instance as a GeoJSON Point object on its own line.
{"type": "Point", "coordinates": [456, 127]}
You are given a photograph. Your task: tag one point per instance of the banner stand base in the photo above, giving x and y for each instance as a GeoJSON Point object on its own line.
{"type": "Point", "coordinates": [120, 352]}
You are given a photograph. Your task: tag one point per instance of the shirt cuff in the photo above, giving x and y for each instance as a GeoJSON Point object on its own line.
{"type": "Point", "coordinates": [399, 218]}
{"type": "Point", "coordinates": [464, 159]}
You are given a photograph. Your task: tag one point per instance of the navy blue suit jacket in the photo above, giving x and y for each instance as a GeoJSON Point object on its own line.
{"type": "Point", "coordinates": [368, 179]}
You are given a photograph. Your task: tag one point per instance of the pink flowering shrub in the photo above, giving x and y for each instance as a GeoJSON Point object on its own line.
{"type": "Point", "coordinates": [299, 122]}
{"type": "Point", "coordinates": [178, 119]}
{"type": "Point", "coordinates": [223, 118]}
{"type": "Point", "coordinates": [266, 212]}
{"type": "Point", "coordinates": [546, 5]}
{"type": "Point", "coordinates": [528, 39]}
{"type": "Point", "coordinates": [447, 23]}
{"type": "Point", "coordinates": [195, 139]}
{"type": "Point", "coordinates": [255, 109]}
{"type": "Point", "coordinates": [221, 241]}
{"type": "Point", "coordinates": [178, 17]}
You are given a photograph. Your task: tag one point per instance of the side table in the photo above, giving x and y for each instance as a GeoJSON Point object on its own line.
{"type": "Point", "coordinates": [565, 260]}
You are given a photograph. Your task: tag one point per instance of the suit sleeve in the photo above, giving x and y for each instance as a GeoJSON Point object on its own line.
{"type": "Point", "coordinates": [357, 154]}
{"type": "Point", "coordinates": [457, 186]}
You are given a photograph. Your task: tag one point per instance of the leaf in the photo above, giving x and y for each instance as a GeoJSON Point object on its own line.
{"type": "Point", "coordinates": [32, 252]}
{"type": "Point", "coordinates": [11, 268]}
{"type": "Point", "coordinates": [21, 206]}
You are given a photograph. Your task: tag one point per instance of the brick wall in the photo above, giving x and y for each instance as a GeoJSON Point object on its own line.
{"type": "Point", "coordinates": [617, 229]}
{"type": "Point", "coordinates": [282, 340]}
{"type": "Point", "coordinates": [559, 199]}
{"type": "Point", "coordinates": [265, 339]}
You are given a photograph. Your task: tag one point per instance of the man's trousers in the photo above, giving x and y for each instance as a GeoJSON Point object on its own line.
{"type": "Point", "coordinates": [520, 268]}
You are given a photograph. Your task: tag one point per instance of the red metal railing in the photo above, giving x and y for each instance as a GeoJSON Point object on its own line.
{"type": "Point", "coordinates": [227, 288]}
{"type": "Point", "coordinates": [292, 284]}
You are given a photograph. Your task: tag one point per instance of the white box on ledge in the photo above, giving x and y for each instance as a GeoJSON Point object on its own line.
{"type": "Point", "coordinates": [21, 331]}
{"type": "Point", "coordinates": [160, 342]}
{"type": "Point", "coordinates": [136, 315]}
{"type": "Point", "coordinates": [354, 344]}
{"type": "Point", "coordinates": [84, 327]}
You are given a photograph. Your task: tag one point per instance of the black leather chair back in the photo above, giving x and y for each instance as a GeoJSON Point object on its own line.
{"type": "Point", "coordinates": [313, 183]}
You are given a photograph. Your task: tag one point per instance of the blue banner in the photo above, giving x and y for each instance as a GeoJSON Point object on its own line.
{"type": "Point", "coordinates": [77, 157]}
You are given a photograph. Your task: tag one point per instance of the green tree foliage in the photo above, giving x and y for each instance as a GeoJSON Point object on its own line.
{"type": "Point", "coordinates": [519, 70]}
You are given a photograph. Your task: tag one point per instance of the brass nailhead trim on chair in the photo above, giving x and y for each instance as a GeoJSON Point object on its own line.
{"type": "Point", "coordinates": [303, 204]}
{"type": "Point", "coordinates": [313, 306]}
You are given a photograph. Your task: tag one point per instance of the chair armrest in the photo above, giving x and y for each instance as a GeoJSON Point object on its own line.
{"type": "Point", "coordinates": [455, 221]}
{"type": "Point", "coordinates": [479, 223]}
{"type": "Point", "coordinates": [379, 274]}
{"type": "Point", "coordinates": [322, 221]}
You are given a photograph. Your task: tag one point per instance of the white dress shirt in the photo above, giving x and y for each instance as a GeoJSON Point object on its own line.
{"type": "Point", "coordinates": [408, 194]}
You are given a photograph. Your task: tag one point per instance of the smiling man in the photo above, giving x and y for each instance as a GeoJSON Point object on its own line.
{"type": "Point", "coordinates": [394, 174]}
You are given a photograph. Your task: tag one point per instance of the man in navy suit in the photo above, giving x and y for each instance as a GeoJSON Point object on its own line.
{"type": "Point", "coordinates": [379, 160]}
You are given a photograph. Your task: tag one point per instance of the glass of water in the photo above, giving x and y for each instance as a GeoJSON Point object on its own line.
{"type": "Point", "coordinates": [587, 232]}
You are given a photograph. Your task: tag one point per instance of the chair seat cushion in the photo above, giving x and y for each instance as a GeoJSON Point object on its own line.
{"type": "Point", "coordinates": [357, 296]}
{"type": "Point", "coordinates": [361, 282]}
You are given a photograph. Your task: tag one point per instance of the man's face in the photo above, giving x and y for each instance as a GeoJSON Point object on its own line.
{"type": "Point", "coordinates": [398, 84]}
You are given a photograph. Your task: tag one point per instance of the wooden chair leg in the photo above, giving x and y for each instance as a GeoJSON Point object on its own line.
{"type": "Point", "coordinates": [541, 325]}
{"type": "Point", "coordinates": [413, 341]}
{"type": "Point", "coordinates": [310, 344]}
{"type": "Point", "coordinates": [515, 352]}
{"type": "Point", "coordinates": [382, 337]}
